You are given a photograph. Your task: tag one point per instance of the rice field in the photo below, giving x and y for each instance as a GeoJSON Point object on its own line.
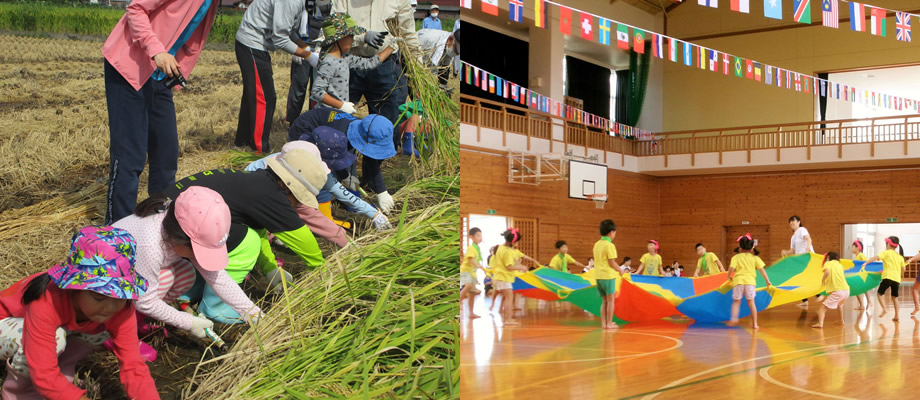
{"type": "Point", "coordinates": [53, 167]}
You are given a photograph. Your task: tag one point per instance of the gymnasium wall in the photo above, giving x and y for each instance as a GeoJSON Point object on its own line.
{"type": "Point", "coordinates": [681, 211]}
{"type": "Point", "coordinates": [732, 101]}
{"type": "Point", "coordinates": [633, 206]}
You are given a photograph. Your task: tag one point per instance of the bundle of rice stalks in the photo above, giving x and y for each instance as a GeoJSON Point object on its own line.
{"type": "Point", "coordinates": [377, 322]}
{"type": "Point", "coordinates": [441, 114]}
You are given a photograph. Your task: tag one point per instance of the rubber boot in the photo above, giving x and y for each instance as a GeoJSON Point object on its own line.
{"type": "Point", "coordinates": [214, 308]}
{"type": "Point", "coordinates": [408, 147]}
{"type": "Point", "coordinates": [326, 209]}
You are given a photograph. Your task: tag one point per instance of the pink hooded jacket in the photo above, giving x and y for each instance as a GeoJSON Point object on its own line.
{"type": "Point", "coordinates": [150, 27]}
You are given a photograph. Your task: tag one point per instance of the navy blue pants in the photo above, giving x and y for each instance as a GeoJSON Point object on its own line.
{"type": "Point", "coordinates": [142, 124]}
{"type": "Point", "coordinates": [377, 85]}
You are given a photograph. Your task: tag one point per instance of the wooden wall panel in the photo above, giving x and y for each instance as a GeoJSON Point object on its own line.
{"type": "Point", "coordinates": [633, 205]}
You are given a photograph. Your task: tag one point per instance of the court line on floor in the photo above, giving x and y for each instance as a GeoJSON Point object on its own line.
{"type": "Point", "coordinates": [680, 382]}
{"type": "Point", "coordinates": [765, 374]}
{"type": "Point", "coordinates": [677, 344]}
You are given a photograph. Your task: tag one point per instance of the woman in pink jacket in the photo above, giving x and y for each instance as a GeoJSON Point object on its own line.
{"type": "Point", "coordinates": [154, 44]}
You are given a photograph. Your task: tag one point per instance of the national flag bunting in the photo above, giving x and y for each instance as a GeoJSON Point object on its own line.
{"type": "Point", "coordinates": [490, 7]}
{"type": "Point", "coordinates": [498, 86]}
{"type": "Point", "coordinates": [725, 63]}
{"type": "Point", "coordinates": [739, 68]}
{"type": "Point", "coordinates": [709, 3]}
{"type": "Point", "coordinates": [749, 67]}
{"type": "Point", "coordinates": [877, 24]}
{"type": "Point", "coordinates": [491, 83]}
{"type": "Point", "coordinates": [587, 26]}
{"type": "Point", "coordinates": [516, 10]}
{"type": "Point", "coordinates": [902, 23]}
{"type": "Point", "coordinates": [467, 4]}
{"type": "Point", "coordinates": [757, 71]}
{"type": "Point", "coordinates": [468, 75]}
{"type": "Point", "coordinates": [829, 14]}
{"type": "Point", "coordinates": [713, 60]}
{"type": "Point", "coordinates": [604, 25]}
{"type": "Point", "coordinates": [798, 82]}
{"type": "Point", "coordinates": [802, 11]}
{"type": "Point", "coordinates": [657, 45]}
{"type": "Point", "coordinates": [539, 13]}
{"type": "Point", "coordinates": [639, 41]}
{"type": "Point", "coordinates": [741, 5]}
{"type": "Point", "coordinates": [672, 49]}
{"type": "Point", "coordinates": [857, 17]}
{"type": "Point", "coordinates": [565, 20]}
{"type": "Point", "coordinates": [623, 36]}
{"type": "Point", "coordinates": [485, 80]}
{"type": "Point", "coordinates": [688, 54]}
{"type": "Point", "coordinates": [701, 57]}
{"type": "Point", "coordinates": [768, 75]}
{"type": "Point", "coordinates": [773, 9]}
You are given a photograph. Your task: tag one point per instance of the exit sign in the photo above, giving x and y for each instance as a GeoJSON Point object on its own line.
{"type": "Point", "coordinates": [490, 212]}
{"type": "Point", "coordinates": [891, 220]}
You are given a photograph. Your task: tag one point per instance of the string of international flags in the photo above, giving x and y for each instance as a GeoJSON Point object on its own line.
{"type": "Point", "coordinates": [504, 88]}
{"type": "Point", "coordinates": [692, 55]}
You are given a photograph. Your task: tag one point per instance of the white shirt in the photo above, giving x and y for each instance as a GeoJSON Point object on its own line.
{"type": "Point", "coordinates": [798, 243]}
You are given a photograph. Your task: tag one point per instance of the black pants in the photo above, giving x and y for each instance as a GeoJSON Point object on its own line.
{"type": "Point", "coordinates": [384, 87]}
{"type": "Point", "coordinates": [301, 76]}
{"type": "Point", "coordinates": [142, 124]}
{"type": "Point", "coordinates": [257, 107]}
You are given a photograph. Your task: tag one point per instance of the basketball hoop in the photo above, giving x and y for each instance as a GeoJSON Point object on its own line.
{"type": "Point", "coordinates": [599, 199]}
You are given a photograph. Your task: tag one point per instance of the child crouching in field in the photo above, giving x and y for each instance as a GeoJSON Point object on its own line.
{"type": "Point", "coordinates": [743, 279]}
{"type": "Point", "coordinates": [836, 287]}
{"type": "Point", "coordinates": [53, 319]}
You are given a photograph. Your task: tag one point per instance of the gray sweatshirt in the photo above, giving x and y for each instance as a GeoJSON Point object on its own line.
{"type": "Point", "coordinates": [269, 25]}
{"type": "Point", "coordinates": [332, 75]}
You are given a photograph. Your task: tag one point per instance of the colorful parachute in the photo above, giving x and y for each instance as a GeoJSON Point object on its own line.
{"type": "Point", "coordinates": [706, 299]}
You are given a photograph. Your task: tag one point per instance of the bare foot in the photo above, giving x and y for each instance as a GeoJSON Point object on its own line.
{"type": "Point", "coordinates": [473, 316]}
{"type": "Point", "coordinates": [883, 314]}
{"type": "Point", "coordinates": [611, 327]}
{"type": "Point", "coordinates": [755, 326]}
{"type": "Point", "coordinates": [817, 326]}
{"type": "Point", "coordinates": [731, 323]}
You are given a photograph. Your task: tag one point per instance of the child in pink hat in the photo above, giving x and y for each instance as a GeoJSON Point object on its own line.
{"type": "Point", "coordinates": [195, 227]}
{"type": "Point", "coordinates": [53, 319]}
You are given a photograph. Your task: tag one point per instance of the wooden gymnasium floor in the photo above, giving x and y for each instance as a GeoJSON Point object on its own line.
{"type": "Point", "coordinates": [559, 352]}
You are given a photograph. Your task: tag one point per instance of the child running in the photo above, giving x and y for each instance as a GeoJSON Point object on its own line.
{"type": "Point", "coordinates": [744, 280]}
{"type": "Point", "coordinates": [857, 250]}
{"type": "Point", "coordinates": [562, 260]}
{"type": "Point", "coordinates": [892, 267]}
{"type": "Point", "coordinates": [708, 263]}
{"type": "Point", "coordinates": [468, 270]}
{"type": "Point", "coordinates": [606, 271]}
{"type": "Point", "coordinates": [51, 320]}
{"type": "Point", "coordinates": [649, 262]}
{"type": "Point", "coordinates": [504, 265]}
{"type": "Point", "coordinates": [836, 287]}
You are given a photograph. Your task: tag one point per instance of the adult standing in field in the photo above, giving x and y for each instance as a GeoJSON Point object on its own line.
{"type": "Point", "coordinates": [153, 42]}
{"type": "Point", "coordinates": [267, 25]}
{"type": "Point", "coordinates": [432, 22]}
{"type": "Point", "coordinates": [799, 244]}
{"type": "Point", "coordinates": [385, 87]}
{"type": "Point", "coordinates": [302, 72]}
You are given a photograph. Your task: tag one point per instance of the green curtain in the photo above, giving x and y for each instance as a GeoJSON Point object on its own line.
{"type": "Point", "coordinates": [638, 81]}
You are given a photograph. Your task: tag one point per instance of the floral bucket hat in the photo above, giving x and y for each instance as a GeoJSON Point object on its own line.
{"type": "Point", "coordinates": [101, 259]}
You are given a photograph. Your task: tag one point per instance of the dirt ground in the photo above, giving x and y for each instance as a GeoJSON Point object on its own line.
{"type": "Point", "coordinates": [54, 160]}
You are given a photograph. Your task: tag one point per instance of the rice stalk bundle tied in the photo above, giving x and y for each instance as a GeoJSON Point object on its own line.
{"type": "Point", "coordinates": [376, 322]}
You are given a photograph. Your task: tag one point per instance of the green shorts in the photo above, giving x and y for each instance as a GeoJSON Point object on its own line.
{"type": "Point", "coordinates": [606, 287]}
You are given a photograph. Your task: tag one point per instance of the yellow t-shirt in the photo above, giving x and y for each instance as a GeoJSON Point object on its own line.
{"type": "Point", "coordinates": [746, 266]}
{"type": "Point", "coordinates": [556, 262]}
{"type": "Point", "coordinates": [892, 265]}
{"type": "Point", "coordinates": [711, 266]}
{"type": "Point", "coordinates": [835, 281]}
{"type": "Point", "coordinates": [604, 250]}
{"type": "Point", "coordinates": [472, 253]}
{"type": "Point", "coordinates": [500, 261]}
{"type": "Point", "coordinates": [860, 257]}
{"type": "Point", "coordinates": [651, 264]}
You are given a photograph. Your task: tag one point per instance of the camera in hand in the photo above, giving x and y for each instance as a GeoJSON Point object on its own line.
{"type": "Point", "coordinates": [176, 80]}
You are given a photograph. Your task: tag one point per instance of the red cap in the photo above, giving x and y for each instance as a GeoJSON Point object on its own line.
{"type": "Point", "coordinates": [205, 218]}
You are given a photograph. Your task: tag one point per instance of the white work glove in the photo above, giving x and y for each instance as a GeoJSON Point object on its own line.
{"type": "Point", "coordinates": [348, 107]}
{"type": "Point", "coordinates": [296, 59]}
{"type": "Point", "coordinates": [385, 201]}
{"type": "Point", "coordinates": [313, 59]}
{"type": "Point", "coordinates": [381, 222]}
{"type": "Point", "coordinates": [199, 324]}
{"type": "Point", "coordinates": [351, 183]}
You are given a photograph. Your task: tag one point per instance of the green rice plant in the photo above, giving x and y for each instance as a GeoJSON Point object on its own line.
{"type": "Point", "coordinates": [379, 321]}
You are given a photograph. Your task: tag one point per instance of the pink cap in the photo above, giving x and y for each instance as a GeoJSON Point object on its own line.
{"type": "Point", "coordinates": [306, 146]}
{"type": "Point", "coordinates": [205, 218]}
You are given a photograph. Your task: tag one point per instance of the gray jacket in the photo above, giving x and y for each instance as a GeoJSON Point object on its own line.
{"type": "Point", "coordinates": [269, 25]}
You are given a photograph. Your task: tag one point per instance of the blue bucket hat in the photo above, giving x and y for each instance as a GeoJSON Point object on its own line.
{"type": "Point", "coordinates": [333, 147]}
{"type": "Point", "coordinates": [372, 137]}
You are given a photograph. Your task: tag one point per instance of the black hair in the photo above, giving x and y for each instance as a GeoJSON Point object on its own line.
{"type": "Point", "coordinates": [560, 243]}
{"type": "Point", "coordinates": [474, 231]}
{"type": "Point", "coordinates": [509, 236]}
{"type": "Point", "coordinates": [897, 242]}
{"type": "Point", "coordinates": [680, 267]}
{"type": "Point", "coordinates": [755, 251]}
{"type": "Point", "coordinates": [493, 249]}
{"type": "Point", "coordinates": [608, 226]}
{"type": "Point", "coordinates": [668, 268]}
{"type": "Point", "coordinates": [626, 259]}
{"type": "Point", "coordinates": [745, 243]}
{"type": "Point", "coordinates": [698, 245]}
{"type": "Point", "coordinates": [831, 256]}
{"type": "Point", "coordinates": [861, 246]}
{"type": "Point", "coordinates": [36, 288]}
{"type": "Point", "coordinates": [796, 218]}
{"type": "Point", "coordinates": [172, 231]}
